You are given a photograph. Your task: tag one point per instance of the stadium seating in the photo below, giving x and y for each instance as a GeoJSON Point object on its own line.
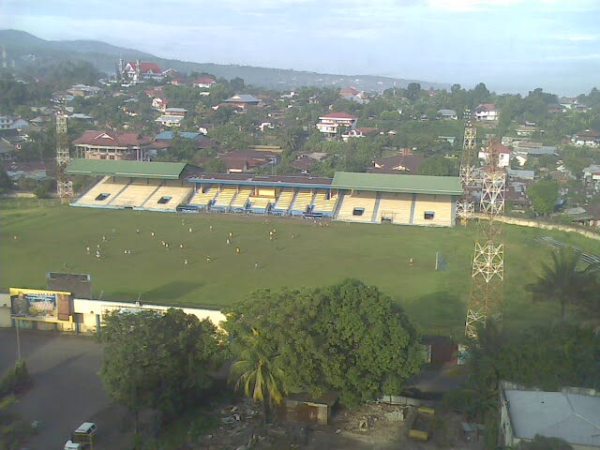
{"type": "Point", "coordinates": [323, 205]}
{"type": "Point", "coordinates": [202, 199]}
{"type": "Point", "coordinates": [284, 201]}
{"type": "Point", "coordinates": [432, 210]}
{"type": "Point", "coordinates": [224, 198]}
{"type": "Point", "coordinates": [135, 194]}
{"type": "Point", "coordinates": [395, 208]}
{"type": "Point", "coordinates": [240, 200]}
{"type": "Point", "coordinates": [301, 203]}
{"type": "Point", "coordinates": [260, 204]}
{"type": "Point", "coordinates": [102, 193]}
{"type": "Point", "coordinates": [357, 207]}
{"type": "Point", "coordinates": [168, 198]}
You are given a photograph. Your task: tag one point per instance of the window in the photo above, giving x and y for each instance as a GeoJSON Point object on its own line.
{"type": "Point", "coordinates": [164, 200]}
{"type": "Point", "coordinates": [102, 197]}
{"type": "Point", "coordinates": [358, 211]}
{"type": "Point", "coordinates": [428, 215]}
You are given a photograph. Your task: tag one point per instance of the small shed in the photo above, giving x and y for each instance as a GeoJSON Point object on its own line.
{"type": "Point", "coordinates": [308, 409]}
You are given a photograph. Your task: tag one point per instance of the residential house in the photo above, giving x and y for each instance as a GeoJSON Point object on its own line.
{"type": "Point", "coordinates": [82, 90]}
{"type": "Point", "coordinates": [573, 415]}
{"type": "Point", "coordinates": [94, 144]}
{"type": "Point", "coordinates": [5, 122]}
{"type": "Point", "coordinates": [401, 164]}
{"type": "Point", "coordinates": [588, 138]}
{"type": "Point", "coordinates": [165, 139]}
{"type": "Point", "coordinates": [242, 101]}
{"type": "Point", "coordinates": [359, 133]}
{"type": "Point", "coordinates": [447, 114]}
{"type": "Point", "coordinates": [518, 174]}
{"type": "Point", "coordinates": [204, 82]}
{"type": "Point", "coordinates": [136, 72]}
{"type": "Point", "coordinates": [354, 95]}
{"type": "Point", "coordinates": [171, 121]}
{"type": "Point", "coordinates": [502, 151]}
{"type": "Point", "coordinates": [330, 124]}
{"type": "Point", "coordinates": [160, 103]}
{"type": "Point", "coordinates": [304, 164]}
{"type": "Point", "coordinates": [242, 161]}
{"type": "Point", "coordinates": [486, 112]}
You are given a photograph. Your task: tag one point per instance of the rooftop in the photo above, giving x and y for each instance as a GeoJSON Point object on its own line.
{"type": "Point", "coordinates": [569, 416]}
{"type": "Point", "coordinates": [414, 184]}
{"type": "Point", "coordinates": [133, 169]}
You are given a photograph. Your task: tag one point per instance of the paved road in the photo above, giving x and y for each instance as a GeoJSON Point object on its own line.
{"type": "Point", "coordinates": [66, 390]}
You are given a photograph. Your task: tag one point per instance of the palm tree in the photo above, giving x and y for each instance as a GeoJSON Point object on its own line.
{"type": "Point", "coordinates": [564, 281]}
{"type": "Point", "coordinates": [258, 374]}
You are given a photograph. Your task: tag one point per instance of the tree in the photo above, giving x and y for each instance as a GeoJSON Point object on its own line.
{"type": "Point", "coordinates": [543, 196]}
{"type": "Point", "coordinates": [156, 360]}
{"type": "Point", "coordinates": [413, 91]}
{"type": "Point", "coordinates": [258, 373]}
{"type": "Point", "coordinates": [564, 281]}
{"type": "Point", "coordinates": [440, 166]}
{"type": "Point", "coordinates": [6, 183]}
{"type": "Point", "coordinates": [348, 338]}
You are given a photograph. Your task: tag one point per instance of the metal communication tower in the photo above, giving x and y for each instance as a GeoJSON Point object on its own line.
{"type": "Point", "coordinates": [488, 260]}
{"type": "Point", "coordinates": [465, 207]}
{"type": "Point", "coordinates": [64, 187]}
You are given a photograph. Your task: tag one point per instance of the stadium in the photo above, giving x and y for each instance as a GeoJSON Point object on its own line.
{"type": "Point", "coordinates": [348, 197]}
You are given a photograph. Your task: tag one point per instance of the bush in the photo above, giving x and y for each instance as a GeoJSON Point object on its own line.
{"type": "Point", "coordinates": [16, 380]}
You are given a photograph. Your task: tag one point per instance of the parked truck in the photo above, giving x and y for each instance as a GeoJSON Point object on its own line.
{"type": "Point", "coordinates": [82, 438]}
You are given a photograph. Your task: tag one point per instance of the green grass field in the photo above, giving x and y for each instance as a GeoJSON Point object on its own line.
{"type": "Point", "coordinates": [54, 238]}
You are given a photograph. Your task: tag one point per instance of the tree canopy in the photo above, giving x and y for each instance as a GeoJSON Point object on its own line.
{"type": "Point", "coordinates": [156, 360]}
{"type": "Point", "coordinates": [543, 196]}
{"type": "Point", "coordinates": [349, 338]}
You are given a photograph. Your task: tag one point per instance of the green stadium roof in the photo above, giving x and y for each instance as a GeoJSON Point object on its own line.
{"type": "Point", "coordinates": [412, 184]}
{"type": "Point", "coordinates": [132, 169]}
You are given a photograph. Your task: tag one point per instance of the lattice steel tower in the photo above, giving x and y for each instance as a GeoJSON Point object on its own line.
{"type": "Point", "coordinates": [465, 207]}
{"type": "Point", "coordinates": [64, 187]}
{"type": "Point", "coordinates": [488, 260]}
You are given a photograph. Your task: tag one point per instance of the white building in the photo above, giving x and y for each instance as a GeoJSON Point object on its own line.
{"type": "Point", "coordinates": [503, 153]}
{"type": "Point", "coordinates": [486, 112]}
{"type": "Point", "coordinates": [331, 123]}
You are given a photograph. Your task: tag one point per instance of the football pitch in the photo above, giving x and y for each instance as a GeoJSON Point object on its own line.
{"type": "Point", "coordinates": [212, 260]}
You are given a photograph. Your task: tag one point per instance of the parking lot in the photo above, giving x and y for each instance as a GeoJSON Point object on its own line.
{"type": "Point", "coordinates": [66, 388]}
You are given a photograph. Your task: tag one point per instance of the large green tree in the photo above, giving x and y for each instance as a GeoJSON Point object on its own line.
{"type": "Point", "coordinates": [567, 280]}
{"type": "Point", "coordinates": [349, 338]}
{"type": "Point", "coordinates": [156, 360]}
{"type": "Point", "coordinates": [543, 196]}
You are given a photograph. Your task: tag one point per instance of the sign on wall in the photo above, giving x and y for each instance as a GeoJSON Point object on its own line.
{"type": "Point", "coordinates": [40, 304]}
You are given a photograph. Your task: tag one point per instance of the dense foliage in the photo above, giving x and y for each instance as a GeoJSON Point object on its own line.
{"type": "Point", "coordinates": [160, 361]}
{"type": "Point", "coordinates": [349, 338]}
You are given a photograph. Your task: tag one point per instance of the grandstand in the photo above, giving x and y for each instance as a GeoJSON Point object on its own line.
{"type": "Point", "coordinates": [349, 197]}
{"type": "Point", "coordinates": [241, 199]}
{"type": "Point", "coordinates": [324, 203]}
{"type": "Point", "coordinates": [284, 201]}
{"type": "Point", "coordinates": [224, 199]}
{"type": "Point", "coordinates": [358, 207]}
{"type": "Point", "coordinates": [168, 197]}
{"type": "Point", "coordinates": [302, 202]}
{"type": "Point", "coordinates": [132, 184]}
{"type": "Point", "coordinates": [203, 198]}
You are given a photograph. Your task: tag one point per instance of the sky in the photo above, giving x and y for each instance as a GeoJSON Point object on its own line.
{"type": "Point", "coordinates": [511, 45]}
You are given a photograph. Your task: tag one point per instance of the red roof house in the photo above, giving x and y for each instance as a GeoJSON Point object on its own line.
{"type": "Point", "coordinates": [94, 144]}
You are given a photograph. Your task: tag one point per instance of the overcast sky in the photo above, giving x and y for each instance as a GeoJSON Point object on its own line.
{"type": "Point", "coordinates": [511, 45]}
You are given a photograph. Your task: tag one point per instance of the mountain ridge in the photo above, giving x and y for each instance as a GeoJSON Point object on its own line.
{"type": "Point", "coordinates": [21, 46]}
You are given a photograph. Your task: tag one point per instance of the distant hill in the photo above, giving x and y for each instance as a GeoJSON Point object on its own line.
{"type": "Point", "coordinates": [24, 48]}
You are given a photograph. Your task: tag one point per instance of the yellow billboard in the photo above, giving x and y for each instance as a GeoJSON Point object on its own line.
{"type": "Point", "coordinates": [42, 304]}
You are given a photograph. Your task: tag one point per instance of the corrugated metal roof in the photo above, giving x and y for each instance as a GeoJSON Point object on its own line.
{"type": "Point", "coordinates": [133, 169]}
{"type": "Point", "coordinates": [413, 184]}
{"type": "Point", "coordinates": [572, 417]}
